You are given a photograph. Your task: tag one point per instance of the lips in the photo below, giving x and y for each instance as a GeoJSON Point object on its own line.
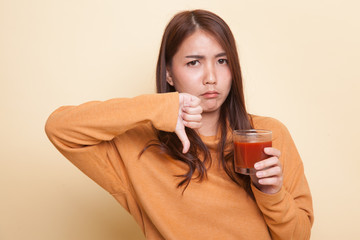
{"type": "Point", "coordinates": [210, 94]}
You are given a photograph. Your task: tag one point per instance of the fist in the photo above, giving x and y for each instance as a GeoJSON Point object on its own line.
{"type": "Point", "coordinates": [189, 116]}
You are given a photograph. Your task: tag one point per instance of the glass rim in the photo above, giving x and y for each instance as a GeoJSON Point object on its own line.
{"type": "Point", "coordinates": [252, 131]}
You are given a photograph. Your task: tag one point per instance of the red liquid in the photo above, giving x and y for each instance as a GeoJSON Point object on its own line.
{"type": "Point", "coordinates": [248, 153]}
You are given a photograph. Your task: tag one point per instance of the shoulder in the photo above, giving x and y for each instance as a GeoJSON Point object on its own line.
{"type": "Point", "coordinates": [261, 122]}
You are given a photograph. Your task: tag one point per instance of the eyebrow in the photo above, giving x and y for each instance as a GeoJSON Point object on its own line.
{"type": "Point", "coordinates": [202, 56]}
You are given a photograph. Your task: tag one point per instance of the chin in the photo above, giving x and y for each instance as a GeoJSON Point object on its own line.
{"type": "Point", "coordinates": [211, 110]}
{"type": "Point", "coordinates": [210, 105]}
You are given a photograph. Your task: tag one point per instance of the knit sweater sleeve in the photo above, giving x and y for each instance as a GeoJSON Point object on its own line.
{"type": "Point", "coordinates": [288, 213]}
{"type": "Point", "coordinates": [84, 134]}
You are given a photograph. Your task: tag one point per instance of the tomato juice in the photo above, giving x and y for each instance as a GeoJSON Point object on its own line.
{"type": "Point", "coordinates": [247, 154]}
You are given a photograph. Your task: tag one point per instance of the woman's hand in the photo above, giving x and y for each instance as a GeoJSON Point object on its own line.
{"type": "Point", "coordinates": [189, 116]}
{"type": "Point", "coordinates": [269, 175]}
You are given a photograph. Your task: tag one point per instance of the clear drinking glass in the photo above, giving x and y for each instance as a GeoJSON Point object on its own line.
{"type": "Point", "coordinates": [249, 148]}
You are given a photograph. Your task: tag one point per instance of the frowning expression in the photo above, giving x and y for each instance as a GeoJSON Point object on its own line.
{"type": "Point", "coordinates": [200, 67]}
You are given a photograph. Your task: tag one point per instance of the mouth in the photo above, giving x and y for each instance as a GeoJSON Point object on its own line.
{"type": "Point", "coordinates": [210, 94]}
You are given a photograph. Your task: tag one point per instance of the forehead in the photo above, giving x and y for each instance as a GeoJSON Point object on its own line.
{"type": "Point", "coordinates": [200, 42]}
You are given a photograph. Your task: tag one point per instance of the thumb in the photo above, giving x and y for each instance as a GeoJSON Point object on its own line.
{"type": "Point", "coordinates": [184, 139]}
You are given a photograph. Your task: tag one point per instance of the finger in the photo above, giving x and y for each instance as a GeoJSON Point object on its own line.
{"type": "Point", "coordinates": [195, 101]}
{"type": "Point", "coordinates": [274, 171]}
{"type": "Point", "coordinates": [190, 100]}
{"type": "Point", "coordinates": [274, 181]}
{"type": "Point", "coordinates": [193, 110]}
{"type": "Point", "coordinates": [191, 117]}
{"type": "Point", "coordinates": [272, 151]}
{"type": "Point", "coordinates": [192, 124]}
{"type": "Point", "coordinates": [269, 162]}
{"type": "Point", "coordinates": [184, 140]}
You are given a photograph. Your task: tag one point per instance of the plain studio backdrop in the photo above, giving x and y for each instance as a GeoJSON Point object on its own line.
{"type": "Point", "coordinates": [300, 62]}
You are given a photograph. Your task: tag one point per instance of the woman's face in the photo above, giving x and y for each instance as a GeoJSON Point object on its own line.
{"type": "Point", "coordinates": [200, 68]}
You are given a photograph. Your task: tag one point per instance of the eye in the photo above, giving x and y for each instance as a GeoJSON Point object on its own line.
{"type": "Point", "coordinates": [193, 63]}
{"type": "Point", "coordinates": [223, 61]}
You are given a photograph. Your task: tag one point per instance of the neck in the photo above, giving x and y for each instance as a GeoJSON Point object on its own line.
{"type": "Point", "coordinates": [209, 122]}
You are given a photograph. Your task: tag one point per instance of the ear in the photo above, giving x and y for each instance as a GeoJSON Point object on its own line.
{"type": "Point", "coordinates": [169, 77]}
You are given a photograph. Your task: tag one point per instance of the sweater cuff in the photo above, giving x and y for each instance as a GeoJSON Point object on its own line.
{"type": "Point", "coordinates": [265, 200]}
{"type": "Point", "coordinates": [166, 118]}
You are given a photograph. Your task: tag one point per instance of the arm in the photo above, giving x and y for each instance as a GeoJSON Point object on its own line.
{"type": "Point", "coordinates": [84, 133]}
{"type": "Point", "coordinates": [288, 212]}
{"type": "Point", "coordinates": [93, 122]}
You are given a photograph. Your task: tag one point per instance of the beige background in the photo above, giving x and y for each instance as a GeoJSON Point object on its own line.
{"type": "Point", "coordinates": [300, 61]}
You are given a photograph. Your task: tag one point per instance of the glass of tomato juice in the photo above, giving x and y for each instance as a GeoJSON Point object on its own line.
{"type": "Point", "coordinates": [249, 148]}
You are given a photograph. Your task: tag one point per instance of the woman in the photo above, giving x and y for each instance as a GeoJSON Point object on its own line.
{"type": "Point", "coordinates": [167, 158]}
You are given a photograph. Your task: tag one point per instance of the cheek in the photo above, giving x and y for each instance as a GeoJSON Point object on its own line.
{"type": "Point", "coordinates": [227, 88]}
{"type": "Point", "coordinates": [227, 79]}
{"type": "Point", "coordinates": [185, 79]}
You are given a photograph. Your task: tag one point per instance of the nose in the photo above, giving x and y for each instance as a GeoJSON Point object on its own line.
{"type": "Point", "coordinates": [210, 75]}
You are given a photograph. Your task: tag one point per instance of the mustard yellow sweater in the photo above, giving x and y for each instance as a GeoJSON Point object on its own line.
{"type": "Point", "coordinates": [103, 139]}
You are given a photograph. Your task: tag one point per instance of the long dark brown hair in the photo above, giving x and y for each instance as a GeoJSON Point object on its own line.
{"type": "Point", "coordinates": [233, 113]}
